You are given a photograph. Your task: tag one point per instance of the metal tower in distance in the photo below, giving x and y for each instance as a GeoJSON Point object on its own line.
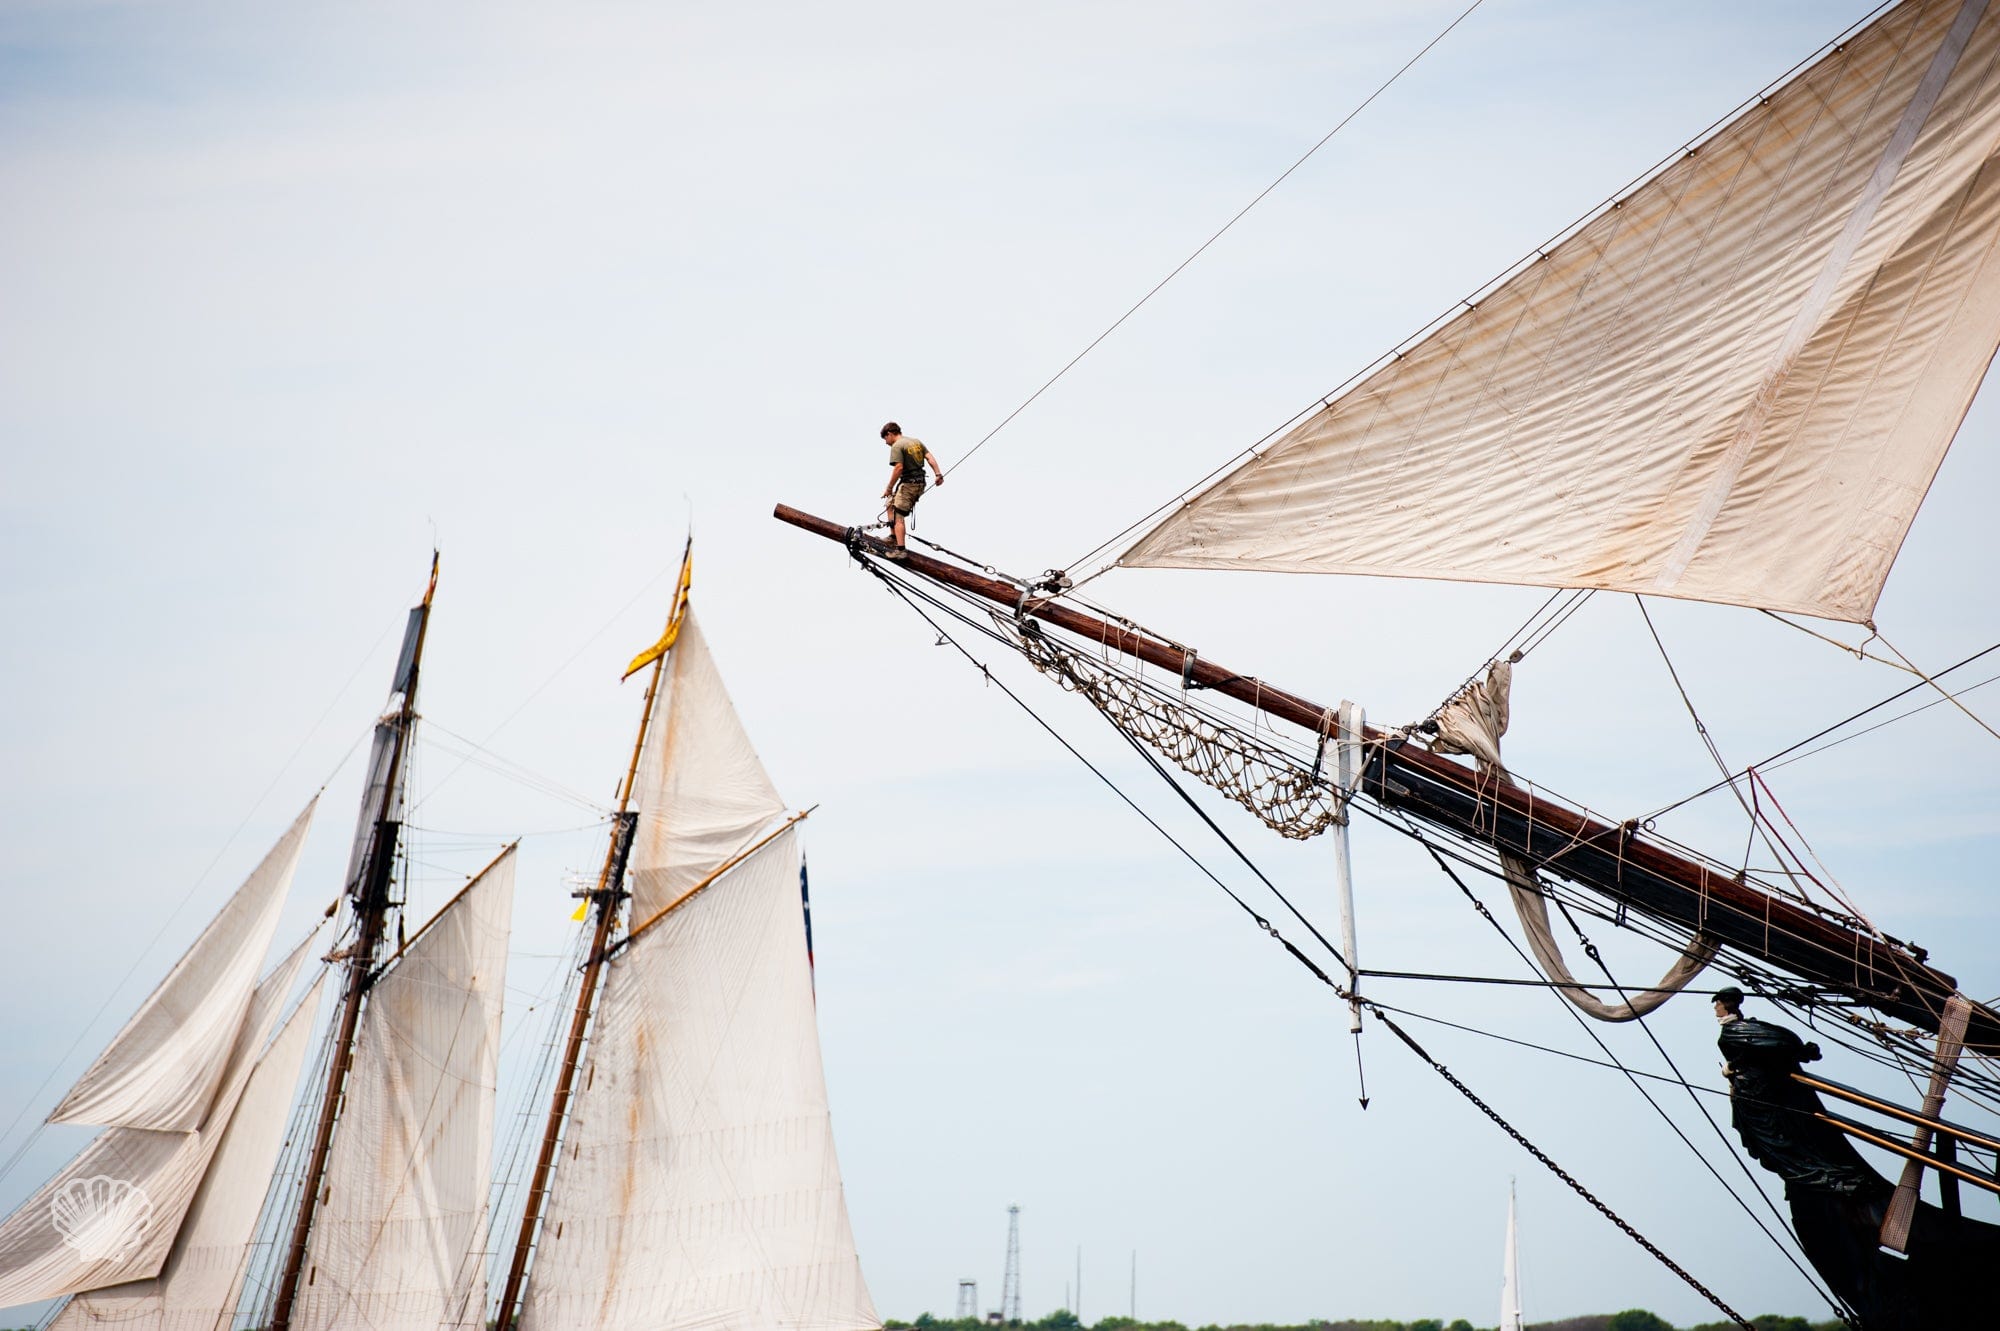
{"type": "Point", "coordinates": [1010, 1286]}
{"type": "Point", "coordinates": [968, 1301]}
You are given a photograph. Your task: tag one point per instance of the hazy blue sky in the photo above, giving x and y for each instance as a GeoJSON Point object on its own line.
{"type": "Point", "coordinates": [288, 292]}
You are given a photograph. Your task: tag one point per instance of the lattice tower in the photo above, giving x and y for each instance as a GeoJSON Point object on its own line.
{"type": "Point", "coordinates": [1010, 1284]}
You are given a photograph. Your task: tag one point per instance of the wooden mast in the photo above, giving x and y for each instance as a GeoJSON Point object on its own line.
{"type": "Point", "coordinates": [605, 898]}
{"type": "Point", "coordinates": [1612, 859]}
{"type": "Point", "coordinates": [369, 896]}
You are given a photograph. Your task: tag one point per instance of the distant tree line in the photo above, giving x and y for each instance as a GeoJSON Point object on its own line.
{"type": "Point", "coordinates": [1632, 1319]}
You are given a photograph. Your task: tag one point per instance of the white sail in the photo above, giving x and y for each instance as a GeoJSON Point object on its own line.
{"type": "Point", "coordinates": [1510, 1277]}
{"type": "Point", "coordinates": [703, 795]}
{"type": "Point", "coordinates": [197, 1288]}
{"type": "Point", "coordinates": [399, 1240]}
{"type": "Point", "coordinates": [111, 1215]}
{"type": "Point", "coordinates": [698, 1186]}
{"type": "Point", "coordinates": [162, 1069]}
{"type": "Point", "coordinates": [1734, 385]}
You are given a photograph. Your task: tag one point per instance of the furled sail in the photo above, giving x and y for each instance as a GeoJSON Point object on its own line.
{"type": "Point", "coordinates": [698, 1186]}
{"type": "Point", "coordinates": [112, 1214]}
{"type": "Point", "coordinates": [399, 1240]}
{"type": "Point", "coordinates": [1734, 385]}
{"type": "Point", "coordinates": [162, 1069]}
{"type": "Point", "coordinates": [197, 1287]}
{"type": "Point", "coordinates": [703, 795]}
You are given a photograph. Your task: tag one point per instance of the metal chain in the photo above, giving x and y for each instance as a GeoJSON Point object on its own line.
{"type": "Point", "coordinates": [1563, 1174]}
{"type": "Point", "coordinates": [1289, 799]}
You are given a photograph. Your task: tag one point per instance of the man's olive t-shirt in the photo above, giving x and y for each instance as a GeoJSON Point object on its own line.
{"type": "Point", "coordinates": [908, 454]}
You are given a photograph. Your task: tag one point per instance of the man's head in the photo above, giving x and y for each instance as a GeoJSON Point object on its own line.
{"type": "Point", "coordinates": [1728, 1003]}
{"type": "Point", "coordinates": [892, 432]}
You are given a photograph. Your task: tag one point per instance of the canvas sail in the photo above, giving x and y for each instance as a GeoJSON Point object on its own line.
{"type": "Point", "coordinates": [698, 1186]}
{"type": "Point", "coordinates": [703, 795]}
{"type": "Point", "coordinates": [197, 1287]}
{"type": "Point", "coordinates": [400, 1237]}
{"type": "Point", "coordinates": [1734, 385]}
{"type": "Point", "coordinates": [111, 1215]}
{"type": "Point", "coordinates": [161, 1070]}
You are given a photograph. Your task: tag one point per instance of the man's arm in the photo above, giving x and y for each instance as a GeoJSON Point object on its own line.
{"type": "Point", "coordinates": [930, 456]}
{"type": "Point", "coordinates": [895, 474]}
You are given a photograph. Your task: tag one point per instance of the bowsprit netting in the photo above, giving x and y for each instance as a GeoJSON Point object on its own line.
{"type": "Point", "coordinates": [1290, 798]}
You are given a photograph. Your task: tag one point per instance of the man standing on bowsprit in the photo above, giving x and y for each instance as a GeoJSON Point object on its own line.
{"type": "Point", "coordinates": [907, 458]}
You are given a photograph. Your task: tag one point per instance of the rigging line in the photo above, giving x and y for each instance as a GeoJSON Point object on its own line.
{"type": "Point", "coordinates": [1591, 950]}
{"type": "Point", "coordinates": [1880, 725]}
{"type": "Point", "coordinates": [1153, 761]}
{"type": "Point", "coordinates": [1562, 1173]}
{"type": "Point", "coordinates": [1187, 798]}
{"type": "Point", "coordinates": [1203, 247]}
{"type": "Point", "coordinates": [112, 993]}
{"type": "Point", "coordinates": [556, 674]}
{"type": "Point", "coordinates": [1900, 694]}
{"type": "Point", "coordinates": [1571, 1055]}
{"type": "Point", "coordinates": [1860, 653]}
{"type": "Point", "coordinates": [1096, 771]}
{"type": "Point", "coordinates": [1598, 1040]}
{"type": "Point", "coordinates": [1948, 697]}
{"type": "Point", "coordinates": [1368, 973]}
{"type": "Point", "coordinates": [1320, 973]}
{"type": "Point", "coordinates": [1757, 828]}
{"type": "Point", "coordinates": [1534, 256]}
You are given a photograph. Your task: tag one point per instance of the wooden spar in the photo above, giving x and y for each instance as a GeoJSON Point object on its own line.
{"type": "Point", "coordinates": [1613, 860]}
{"type": "Point", "coordinates": [1903, 1205]}
{"type": "Point", "coordinates": [371, 907]}
{"type": "Point", "coordinates": [610, 890]}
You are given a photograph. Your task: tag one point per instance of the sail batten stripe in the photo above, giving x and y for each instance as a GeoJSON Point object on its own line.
{"type": "Point", "coordinates": [1813, 309]}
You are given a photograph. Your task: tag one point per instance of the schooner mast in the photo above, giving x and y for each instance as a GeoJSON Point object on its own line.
{"type": "Point", "coordinates": [604, 900]}
{"type": "Point", "coordinates": [371, 865]}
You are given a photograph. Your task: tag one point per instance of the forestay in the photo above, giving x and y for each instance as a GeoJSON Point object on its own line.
{"type": "Point", "coordinates": [112, 1214]}
{"type": "Point", "coordinates": [400, 1240]}
{"type": "Point", "coordinates": [1733, 385]}
{"type": "Point", "coordinates": [162, 1069]}
{"type": "Point", "coordinates": [703, 794]}
{"type": "Point", "coordinates": [197, 1288]}
{"type": "Point", "coordinates": [699, 1186]}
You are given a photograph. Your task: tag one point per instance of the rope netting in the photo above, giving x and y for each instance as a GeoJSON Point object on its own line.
{"type": "Point", "coordinates": [1292, 800]}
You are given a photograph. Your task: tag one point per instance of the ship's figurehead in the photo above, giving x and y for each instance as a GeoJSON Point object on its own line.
{"type": "Point", "coordinates": [1776, 1117]}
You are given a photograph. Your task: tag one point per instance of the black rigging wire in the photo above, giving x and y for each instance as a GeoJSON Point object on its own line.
{"type": "Point", "coordinates": [904, 594]}
{"type": "Point", "coordinates": [1203, 247]}
{"type": "Point", "coordinates": [1771, 761]}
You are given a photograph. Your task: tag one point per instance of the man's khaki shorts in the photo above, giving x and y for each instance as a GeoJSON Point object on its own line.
{"type": "Point", "coordinates": [907, 495]}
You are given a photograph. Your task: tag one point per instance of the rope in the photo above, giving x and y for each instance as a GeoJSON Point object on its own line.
{"type": "Point", "coordinates": [1533, 257]}
{"type": "Point", "coordinates": [1563, 1174]}
{"type": "Point", "coordinates": [1203, 247]}
{"type": "Point", "coordinates": [1773, 761]}
{"type": "Point", "coordinates": [1312, 966]}
{"type": "Point", "coordinates": [1948, 697]}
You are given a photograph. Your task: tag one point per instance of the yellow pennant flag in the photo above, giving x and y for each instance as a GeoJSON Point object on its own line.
{"type": "Point", "coordinates": [582, 911]}
{"type": "Point", "coordinates": [659, 649]}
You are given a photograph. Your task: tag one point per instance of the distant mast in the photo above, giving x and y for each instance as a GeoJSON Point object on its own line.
{"type": "Point", "coordinates": [370, 869]}
{"type": "Point", "coordinates": [1510, 1275]}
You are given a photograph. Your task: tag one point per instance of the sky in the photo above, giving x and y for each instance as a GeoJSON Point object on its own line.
{"type": "Point", "coordinates": [289, 295]}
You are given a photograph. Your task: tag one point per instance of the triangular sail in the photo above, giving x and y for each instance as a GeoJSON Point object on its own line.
{"type": "Point", "coordinates": [162, 1069]}
{"type": "Point", "coordinates": [197, 1288]}
{"type": "Point", "coordinates": [1734, 385]}
{"type": "Point", "coordinates": [703, 795]}
{"type": "Point", "coordinates": [699, 1186]}
{"type": "Point", "coordinates": [400, 1237]}
{"type": "Point", "coordinates": [111, 1215]}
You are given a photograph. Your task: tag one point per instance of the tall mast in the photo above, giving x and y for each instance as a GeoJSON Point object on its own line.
{"type": "Point", "coordinates": [1615, 860]}
{"type": "Point", "coordinates": [605, 899]}
{"type": "Point", "coordinates": [368, 897]}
